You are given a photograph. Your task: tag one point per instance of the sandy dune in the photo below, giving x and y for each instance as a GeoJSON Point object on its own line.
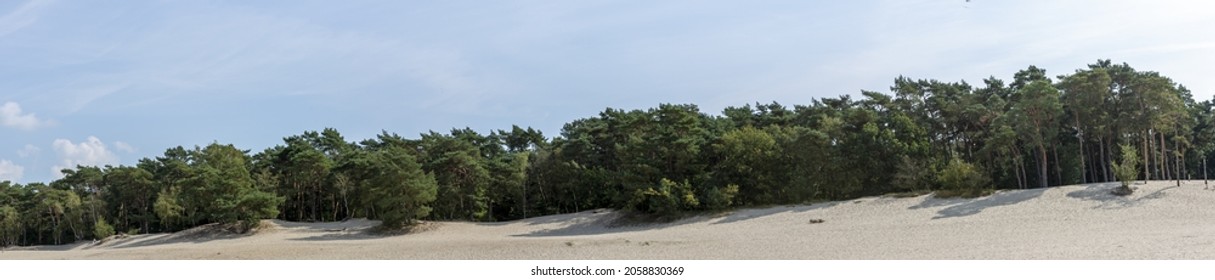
{"type": "Point", "coordinates": [1160, 221]}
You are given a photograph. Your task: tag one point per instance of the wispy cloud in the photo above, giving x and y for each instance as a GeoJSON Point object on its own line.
{"type": "Point", "coordinates": [10, 171]}
{"type": "Point", "coordinates": [28, 151]}
{"type": "Point", "coordinates": [212, 52]}
{"type": "Point", "coordinates": [23, 16]}
{"type": "Point", "coordinates": [91, 152]}
{"type": "Point", "coordinates": [11, 115]}
{"type": "Point", "coordinates": [123, 146]}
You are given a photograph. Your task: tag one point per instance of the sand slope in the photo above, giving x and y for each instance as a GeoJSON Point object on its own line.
{"type": "Point", "coordinates": [1159, 221]}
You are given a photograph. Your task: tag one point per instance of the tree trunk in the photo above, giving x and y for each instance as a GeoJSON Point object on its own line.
{"type": "Point", "coordinates": [1083, 169]}
{"type": "Point", "coordinates": [1178, 161]}
{"type": "Point", "coordinates": [316, 197]}
{"type": "Point", "coordinates": [1015, 167]}
{"type": "Point", "coordinates": [1058, 167]}
{"type": "Point", "coordinates": [1164, 159]}
{"type": "Point", "coordinates": [1105, 159]}
{"type": "Point", "coordinates": [525, 200]}
{"type": "Point", "coordinates": [346, 205]}
{"type": "Point", "coordinates": [1147, 174]}
{"type": "Point", "coordinates": [1021, 167]}
{"type": "Point", "coordinates": [1095, 162]}
{"type": "Point", "coordinates": [1151, 155]}
{"type": "Point", "coordinates": [299, 200]}
{"type": "Point", "coordinates": [1042, 165]}
{"type": "Point", "coordinates": [55, 221]}
{"type": "Point", "coordinates": [1010, 151]}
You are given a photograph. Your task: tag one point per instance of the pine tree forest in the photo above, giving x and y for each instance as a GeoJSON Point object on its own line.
{"type": "Point", "coordinates": [952, 138]}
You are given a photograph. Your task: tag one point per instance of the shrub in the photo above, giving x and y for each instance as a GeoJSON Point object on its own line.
{"type": "Point", "coordinates": [1125, 170]}
{"type": "Point", "coordinates": [102, 229]}
{"type": "Point", "coordinates": [668, 199]}
{"type": "Point", "coordinates": [10, 226]}
{"type": "Point", "coordinates": [960, 178]}
{"type": "Point", "coordinates": [911, 175]}
{"type": "Point", "coordinates": [721, 198]}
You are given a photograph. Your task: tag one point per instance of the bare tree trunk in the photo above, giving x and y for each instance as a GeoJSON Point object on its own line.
{"type": "Point", "coordinates": [1105, 159]}
{"type": "Point", "coordinates": [1094, 172]}
{"type": "Point", "coordinates": [1095, 162]}
{"type": "Point", "coordinates": [1017, 173]}
{"type": "Point", "coordinates": [1182, 169]}
{"type": "Point", "coordinates": [1164, 159]}
{"type": "Point", "coordinates": [1024, 175]}
{"type": "Point", "coordinates": [316, 196]}
{"type": "Point", "coordinates": [1019, 168]}
{"type": "Point", "coordinates": [1177, 161]}
{"type": "Point", "coordinates": [1151, 155]}
{"type": "Point", "coordinates": [1042, 165]}
{"type": "Point", "coordinates": [1058, 166]}
{"type": "Point", "coordinates": [299, 200]}
{"type": "Point", "coordinates": [1147, 174]}
{"type": "Point", "coordinates": [1016, 170]}
{"type": "Point", "coordinates": [55, 222]}
{"type": "Point", "coordinates": [575, 194]}
{"type": "Point", "coordinates": [1083, 169]}
{"type": "Point", "coordinates": [346, 205]}
{"type": "Point", "coordinates": [525, 200]}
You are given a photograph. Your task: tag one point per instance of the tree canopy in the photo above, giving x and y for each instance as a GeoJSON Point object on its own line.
{"type": "Point", "coordinates": [1101, 123]}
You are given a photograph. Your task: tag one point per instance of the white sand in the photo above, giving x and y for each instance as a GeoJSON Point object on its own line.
{"type": "Point", "coordinates": [1159, 221]}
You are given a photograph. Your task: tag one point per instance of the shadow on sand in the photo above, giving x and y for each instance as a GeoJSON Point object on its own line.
{"type": "Point", "coordinates": [180, 237]}
{"type": "Point", "coordinates": [1102, 193]}
{"type": "Point", "coordinates": [975, 206]}
{"type": "Point", "coordinates": [597, 222]}
{"type": "Point", "coordinates": [346, 230]}
{"type": "Point", "coordinates": [932, 202]}
{"type": "Point", "coordinates": [604, 221]}
{"type": "Point", "coordinates": [344, 235]}
{"type": "Point", "coordinates": [747, 214]}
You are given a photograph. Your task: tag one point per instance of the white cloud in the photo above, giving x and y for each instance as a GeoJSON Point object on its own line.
{"type": "Point", "coordinates": [28, 150]}
{"type": "Point", "coordinates": [91, 152]}
{"type": "Point", "coordinates": [123, 146]}
{"type": "Point", "coordinates": [10, 171]}
{"type": "Point", "coordinates": [10, 116]}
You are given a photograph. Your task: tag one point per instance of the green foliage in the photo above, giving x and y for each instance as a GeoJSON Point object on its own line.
{"type": "Point", "coordinates": [221, 189]}
{"type": "Point", "coordinates": [399, 191]}
{"type": "Point", "coordinates": [961, 178]}
{"type": "Point", "coordinates": [668, 198]}
{"type": "Point", "coordinates": [168, 209]}
{"type": "Point", "coordinates": [750, 164]}
{"type": "Point", "coordinates": [1035, 117]}
{"type": "Point", "coordinates": [461, 175]}
{"type": "Point", "coordinates": [721, 197]}
{"type": "Point", "coordinates": [913, 176]}
{"type": "Point", "coordinates": [923, 135]}
{"type": "Point", "coordinates": [129, 194]}
{"type": "Point", "coordinates": [256, 205]}
{"type": "Point", "coordinates": [57, 212]}
{"type": "Point", "coordinates": [1126, 170]}
{"type": "Point", "coordinates": [10, 226]}
{"type": "Point", "coordinates": [203, 185]}
{"type": "Point", "coordinates": [102, 229]}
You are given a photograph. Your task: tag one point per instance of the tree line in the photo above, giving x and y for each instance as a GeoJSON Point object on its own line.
{"type": "Point", "coordinates": [925, 135]}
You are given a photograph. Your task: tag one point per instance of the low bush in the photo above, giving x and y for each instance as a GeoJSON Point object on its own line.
{"type": "Point", "coordinates": [102, 229]}
{"type": "Point", "coordinates": [667, 199]}
{"type": "Point", "coordinates": [962, 179]}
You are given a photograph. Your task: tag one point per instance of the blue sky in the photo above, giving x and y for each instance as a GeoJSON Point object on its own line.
{"type": "Point", "coordinates": [103, 82]}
